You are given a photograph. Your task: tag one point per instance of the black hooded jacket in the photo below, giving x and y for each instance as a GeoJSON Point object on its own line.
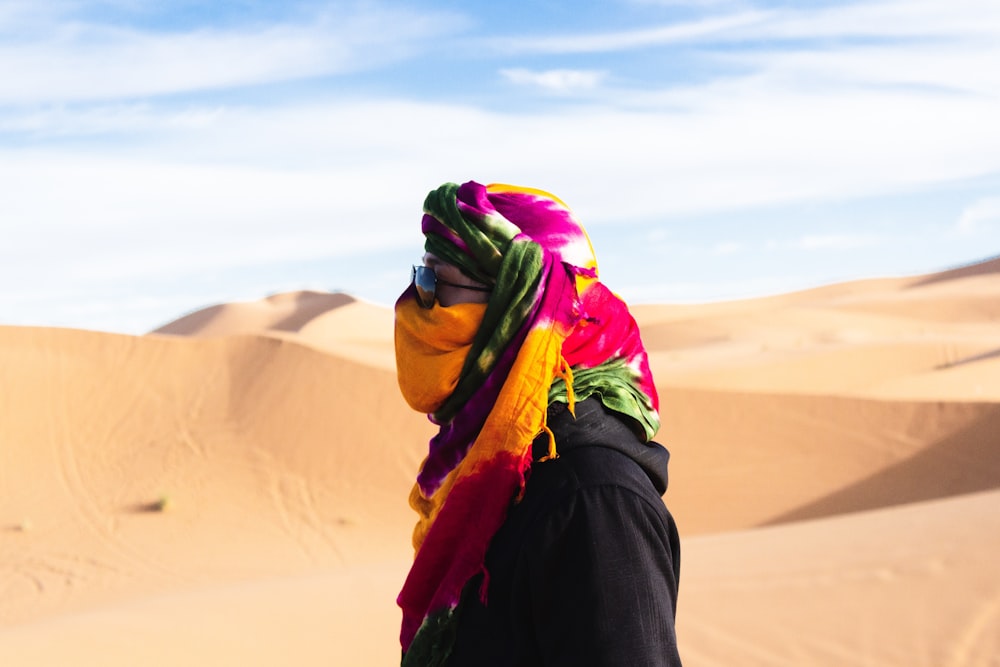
{"type": "Point", "coordinates": [584, 571]}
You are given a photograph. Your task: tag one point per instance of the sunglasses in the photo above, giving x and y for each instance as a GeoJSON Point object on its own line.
{"type": "Point", "coordinates": [425, 281]}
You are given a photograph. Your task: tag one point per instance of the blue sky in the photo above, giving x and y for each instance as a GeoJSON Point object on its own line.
{"type": "Point", "coordinates": [156, 158]}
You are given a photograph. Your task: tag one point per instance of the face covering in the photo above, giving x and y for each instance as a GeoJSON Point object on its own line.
{"type": "Point", "coordinates": [431, 347]}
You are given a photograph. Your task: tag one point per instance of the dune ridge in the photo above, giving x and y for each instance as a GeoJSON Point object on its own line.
{"type": "Point", "coordinates": [289, 311]}
{"type": "Point", "coordinates": [919, 338]}
{"type": "Point", "coordinates": [231, 488]}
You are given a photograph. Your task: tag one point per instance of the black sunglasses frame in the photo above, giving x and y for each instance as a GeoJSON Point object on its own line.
{"type": "Point", "coordinates": [425, 282]}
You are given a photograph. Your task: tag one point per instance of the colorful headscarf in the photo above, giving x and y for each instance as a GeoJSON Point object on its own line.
{"type": "Point", "coordinates": [550, 332]}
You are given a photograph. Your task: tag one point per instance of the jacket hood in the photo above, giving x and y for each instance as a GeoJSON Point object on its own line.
{"type": "Point", "coordinates": [596, 426]}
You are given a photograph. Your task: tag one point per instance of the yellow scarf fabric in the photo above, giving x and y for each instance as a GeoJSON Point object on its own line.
{"type": "Point", "coordinates": [432, 345]}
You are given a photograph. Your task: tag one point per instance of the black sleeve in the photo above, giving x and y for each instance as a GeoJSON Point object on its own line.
{"type": "Point", "coordinates": [602, 577]}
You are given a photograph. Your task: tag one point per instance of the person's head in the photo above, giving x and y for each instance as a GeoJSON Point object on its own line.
{"type": "Point", "coordinates": [489, 253]}
{"type": "Point", "coordinates": [500, 259]}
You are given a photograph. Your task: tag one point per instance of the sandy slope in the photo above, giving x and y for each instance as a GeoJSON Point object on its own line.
{"type": "Point", "coordinates": [274, 458]}
{"type": "Point", "coordinates": [926, 338]}
{"type": "Point", "coordinates": [334, 323]}
{"type": "Point", "coordinates": [913, 585]}
{"type": "Point", "coordinates": [231, 489]}
{"type": "Point", "coordinates": [341, 616]}
{"type": "Point", "coordinates": [746, 459]}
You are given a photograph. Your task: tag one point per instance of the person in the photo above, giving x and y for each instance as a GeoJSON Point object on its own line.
{"type": "Point", "coordinates": [542, 536]}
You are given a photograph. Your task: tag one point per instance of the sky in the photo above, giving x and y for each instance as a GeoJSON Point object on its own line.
{"type": "Point", "coordinates": [160, 157]}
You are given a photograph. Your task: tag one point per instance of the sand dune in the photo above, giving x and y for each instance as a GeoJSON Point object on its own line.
{"type": "Point", "coordinates": [230, 489]}
{"type": "Point", "coordinates": [913, 585]}
{"type": "Point", "coordinates": [272, 458]}
{"type": "Point", "coordinates": [289, 311]}
{"type": "Point", "coordinates": [923, 338]}
{"type": "Point", "coordinates": [335, 617]}
{"type": "Point", "coordinates": [748, 459]}
{"type": "Point", "coordinates": [334, 323]}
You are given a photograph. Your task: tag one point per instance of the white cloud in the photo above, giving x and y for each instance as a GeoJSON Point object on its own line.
{"type": "Point", "coordinates": [699, 4]}
{"type": "Point", "coordinates": [85, 61]}
{"type": "Point", "coordinates": [932, 70]}
{"type": "Point", "coordinates": [629, 39]}
{"type": "Point", "coordinates": [979, 217]}
{"type": "Point", "coordinates": [727, 248]}
{"type": "Point", "coordinates": [334, 165]}
{"type": "Point", "coordinates": [925, 20]}
{"type": "Point", "coordinates": [109, 119]}
{"type": "Point", "coordinates": [556, 80]}
{"type": "Point", "coordinates": [922, 19]}
{"type": "Point", "coordinates": [836, 241]}
{"type": "Point", "coordinates": [61, 203]}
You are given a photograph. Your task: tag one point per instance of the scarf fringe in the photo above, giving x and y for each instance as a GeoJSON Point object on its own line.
{"type": "Point", "coordinates": [566, 373]}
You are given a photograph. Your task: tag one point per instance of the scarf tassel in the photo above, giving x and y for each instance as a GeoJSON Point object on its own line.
{"type": "Point", "coordinates": [566, 373]}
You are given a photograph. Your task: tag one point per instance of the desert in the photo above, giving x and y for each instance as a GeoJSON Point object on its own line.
{"type": "Point", "coordinates": [231, 487]}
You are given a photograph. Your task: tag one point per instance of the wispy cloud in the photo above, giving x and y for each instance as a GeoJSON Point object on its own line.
{"type": "Point", "coordinates": [628, 39]}
{"type": "Point", "coordinates": [555, 80]}
{"type": "Point", "coordinates": [922, 19]}
{"type": "Point", "coordinates": [925, 20]}
{"type": "Point", "coordinates": [980, 216]}
{"type": "Point", "coordinates": [76, 60]}
{"type": "Point", "coordinates": [836, 241]}
{"type": "Point", "coordinates": [698, 4]}
{"type": "Point", "coordinates": [727, 248]}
